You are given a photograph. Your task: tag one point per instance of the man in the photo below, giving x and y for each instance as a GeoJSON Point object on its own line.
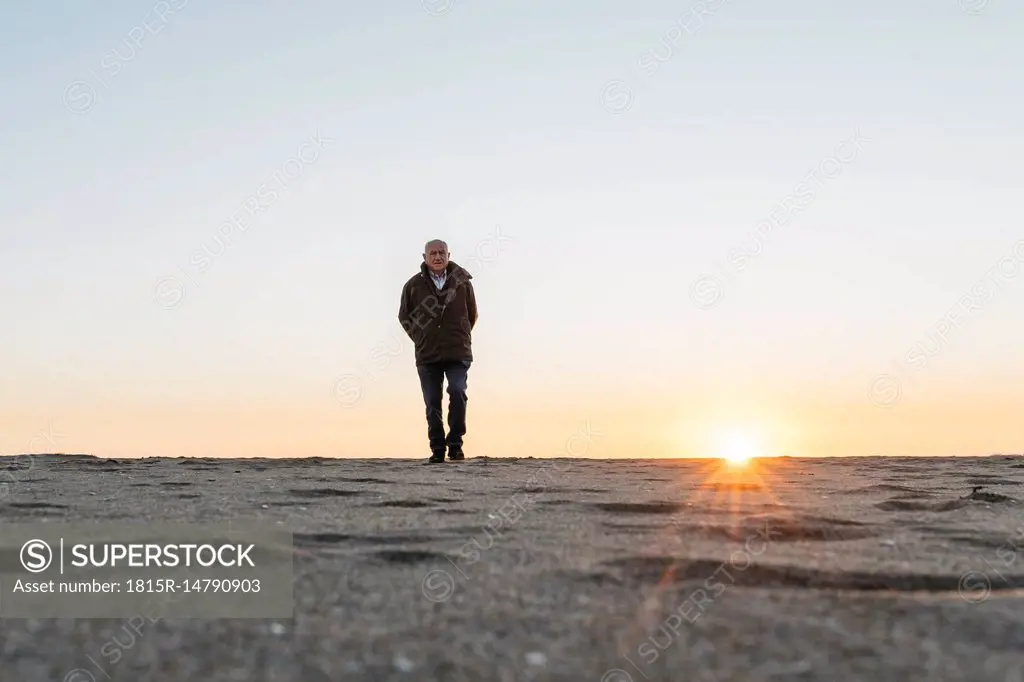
{"type": "Point", "coordinates": [438, 312]}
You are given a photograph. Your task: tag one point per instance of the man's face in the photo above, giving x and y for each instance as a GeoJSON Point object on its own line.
{"type": "Point", "coordinates": [436, 257]}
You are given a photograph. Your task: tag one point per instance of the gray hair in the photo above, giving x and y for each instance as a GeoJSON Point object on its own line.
{"type": "Point", "coordinates": [426, 247]}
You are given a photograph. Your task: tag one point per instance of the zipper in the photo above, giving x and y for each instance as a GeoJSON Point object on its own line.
{"type": "Point", "coordinates": [451, 287]}
{"type": "Point", "coordinates": [440, 318]}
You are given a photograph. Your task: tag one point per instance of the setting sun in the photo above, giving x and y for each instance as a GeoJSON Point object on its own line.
{"type": "Point", "coordinates": [737, 451]}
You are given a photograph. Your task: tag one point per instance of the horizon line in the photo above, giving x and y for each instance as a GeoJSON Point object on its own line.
{"type": "Point", "coordinates": [486, 457]}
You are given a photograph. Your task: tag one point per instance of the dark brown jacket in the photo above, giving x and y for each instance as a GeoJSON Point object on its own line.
{"type": "Point", "coordinates": [440, 323]}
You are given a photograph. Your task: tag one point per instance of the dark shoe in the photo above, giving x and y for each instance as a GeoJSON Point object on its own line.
{"type": "Point", "coordinates": [436, 458]}
{"type": "Point", "coordinates": [456, 456]}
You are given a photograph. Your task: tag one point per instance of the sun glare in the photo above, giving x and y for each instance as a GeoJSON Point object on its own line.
{"type": "Point", "coordinates": [738, 451]}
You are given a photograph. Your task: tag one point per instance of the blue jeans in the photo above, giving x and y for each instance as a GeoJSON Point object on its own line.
{"type": "Point", "coordinates": [432, 383]}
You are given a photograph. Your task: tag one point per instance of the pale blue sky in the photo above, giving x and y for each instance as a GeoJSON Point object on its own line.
{"type": "Point", "coordinates": [491, 115]}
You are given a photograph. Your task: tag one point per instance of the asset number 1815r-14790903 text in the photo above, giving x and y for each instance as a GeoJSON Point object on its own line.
{"type": "Point", "coordinates": [196, 585]}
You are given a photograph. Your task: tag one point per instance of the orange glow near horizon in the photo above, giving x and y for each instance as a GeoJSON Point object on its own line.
{"type": "Point", "coordinates": [738, 450]}
{"type": "Point", "coordinates": [390, 424]}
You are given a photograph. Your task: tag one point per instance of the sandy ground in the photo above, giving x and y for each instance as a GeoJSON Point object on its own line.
{"type": "Point", "coordinates": [627, 571]}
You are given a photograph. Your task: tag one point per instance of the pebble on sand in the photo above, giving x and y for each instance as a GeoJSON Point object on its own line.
{"type": "Point", "coordinates": [536, 658]}
{"type": "Point", "coordinates": [404, 664]}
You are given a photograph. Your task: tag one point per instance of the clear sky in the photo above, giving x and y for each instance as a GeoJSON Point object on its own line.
{"type": "Point", "coordinates": [796, 222]}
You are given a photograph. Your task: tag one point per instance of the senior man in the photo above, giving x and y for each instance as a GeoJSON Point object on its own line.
{"type": "Point", "coordinates": [438, 312]}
